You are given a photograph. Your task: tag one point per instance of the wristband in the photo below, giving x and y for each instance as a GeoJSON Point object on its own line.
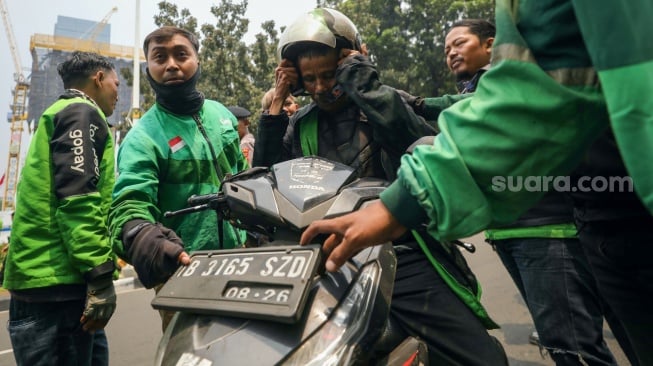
{"type": "Point", "coordinates": [131, 234]}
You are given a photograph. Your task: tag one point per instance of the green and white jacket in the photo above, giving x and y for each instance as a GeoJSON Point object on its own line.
{"type": "Point", "coordinates": [166, 158]}
{"type": "Point", "coordinates": [59, 231]}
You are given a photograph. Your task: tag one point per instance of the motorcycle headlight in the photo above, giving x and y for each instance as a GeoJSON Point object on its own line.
{"type": "Point", "coordinates": [336, 339]}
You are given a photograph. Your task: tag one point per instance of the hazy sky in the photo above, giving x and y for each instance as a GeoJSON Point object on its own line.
{"type": "Point", "coordinates": [39, 16]}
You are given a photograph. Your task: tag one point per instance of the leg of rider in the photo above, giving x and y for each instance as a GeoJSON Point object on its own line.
{"type": "Point", "coordinates": [426, 307]}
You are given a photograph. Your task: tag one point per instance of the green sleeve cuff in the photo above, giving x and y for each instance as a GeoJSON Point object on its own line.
{"type": "Point", "coordinates": [403, 206]}
{"type": "Point", "coordinates": [557, 231]}
{"type": "Point", "coordinates": [433, 106]}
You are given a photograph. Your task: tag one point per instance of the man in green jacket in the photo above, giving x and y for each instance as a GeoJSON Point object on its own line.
{"type": "Point", "coordinates": [540, 250]}
{"type": "Point", "coordinates": [60, 264]}
{"type": "Point", "coordinates": [535, 112]}
{"type": "Point", "coordinates": [184, 145]}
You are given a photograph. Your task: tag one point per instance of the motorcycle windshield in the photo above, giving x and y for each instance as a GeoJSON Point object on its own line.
{"type": "Point", "coordinates": [306, 182]}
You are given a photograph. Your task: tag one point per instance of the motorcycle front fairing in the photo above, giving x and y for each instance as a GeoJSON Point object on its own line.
{"type": "Point", "coordinates": [281, 204]}
{"type": "Point", "coordinates": [295, 193]}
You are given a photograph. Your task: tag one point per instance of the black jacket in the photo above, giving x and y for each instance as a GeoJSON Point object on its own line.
{"type": "Point", "coordinates": [370, 133]}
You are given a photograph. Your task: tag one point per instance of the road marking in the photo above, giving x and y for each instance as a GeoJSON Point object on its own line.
{"type": "Point", "coordinates": [6, 352]}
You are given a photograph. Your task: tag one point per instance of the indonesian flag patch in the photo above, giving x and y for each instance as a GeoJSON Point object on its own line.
{"type": "Point", "coordinates": [176, 143]}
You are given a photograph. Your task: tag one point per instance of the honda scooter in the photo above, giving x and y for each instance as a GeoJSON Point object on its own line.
{"type": "Point", "coordinates": [273, 303]}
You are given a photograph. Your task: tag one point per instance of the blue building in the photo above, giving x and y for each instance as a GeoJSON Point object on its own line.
{"type": "Point", "coordinates": [72, 34]}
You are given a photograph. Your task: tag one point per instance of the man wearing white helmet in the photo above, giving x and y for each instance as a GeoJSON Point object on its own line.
{"type": "Point", "coordinates": [356, 120]}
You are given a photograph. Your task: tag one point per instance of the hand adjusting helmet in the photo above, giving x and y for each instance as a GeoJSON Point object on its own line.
{"type": "Point", "coordinates": [321, 25]}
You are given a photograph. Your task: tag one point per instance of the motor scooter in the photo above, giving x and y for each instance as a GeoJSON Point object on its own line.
{"type": "Point", "coordinates": [273, 303]}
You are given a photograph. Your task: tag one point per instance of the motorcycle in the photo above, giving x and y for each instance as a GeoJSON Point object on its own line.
{"type": "Point", "coordinates": [274, 303]}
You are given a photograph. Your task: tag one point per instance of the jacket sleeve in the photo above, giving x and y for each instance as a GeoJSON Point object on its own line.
{"type": "Point", "coordinates": [270, 146]}
{"type": "Point", "coordinates": [459, 188]}
{"type": "Point", "coordinates": [396, 125]}
{"type": "Point", "coordinates": [77, 145]}
{"type": "Point", "coordinates": [623, 57]}
{"type": "Point", "coordinates": [136, 189]}
{"type": "Point", "coordinates": [528, 123]}
{"type": "Point", "coordinates": [432, 107]}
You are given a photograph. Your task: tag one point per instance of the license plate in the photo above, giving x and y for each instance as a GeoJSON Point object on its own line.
{"type": "Point", "coordinates": [270, 283]}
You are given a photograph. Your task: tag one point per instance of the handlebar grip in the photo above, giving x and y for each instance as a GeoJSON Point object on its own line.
{"type": "Point", "coordinates": [187, 210]}
{"type": "Point", "coordinates": [196, 200]}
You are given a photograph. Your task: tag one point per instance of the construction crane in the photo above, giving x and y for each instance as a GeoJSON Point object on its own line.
{"type": "Point", "coordinates": [86, 42]}
{"type": "Point", "coordinates": [92, 34]}
{"type": "Point", "coordinates": [17, 118]}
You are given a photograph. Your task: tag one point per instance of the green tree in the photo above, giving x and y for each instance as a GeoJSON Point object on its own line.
{"type": "Point", "coordinates": [169, 14]}
{"type": "Point", "coordinates": [405, 39]}
{"type": "Point", "coordinates": [225, 61]}
{"type": "Point", "coordinates": [263, 53]}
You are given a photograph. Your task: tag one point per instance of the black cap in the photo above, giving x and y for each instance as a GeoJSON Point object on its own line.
{"type": "Point", "coordinates": [239, 112]}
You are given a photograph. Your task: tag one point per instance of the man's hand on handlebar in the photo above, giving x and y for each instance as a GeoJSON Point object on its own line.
{"type": "Point", "coordinates": [353, 232]}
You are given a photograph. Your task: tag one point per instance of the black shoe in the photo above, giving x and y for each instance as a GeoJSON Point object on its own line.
{"type": "Point", "coordinates": [534, 338]}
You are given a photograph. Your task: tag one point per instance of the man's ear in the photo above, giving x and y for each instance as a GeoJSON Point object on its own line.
{"type": "Point", "coordinates": [364, 49]}
{"type": "Point", "coordinates": [488, 44]}
{"type": "Point", "coordinates": [98, 78]}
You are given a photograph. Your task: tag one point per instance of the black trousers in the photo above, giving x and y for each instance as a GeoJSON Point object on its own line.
{"type": "Point", "coordinates": [620, 253]}
{"type": "Point", "coordinates": [426, 307]}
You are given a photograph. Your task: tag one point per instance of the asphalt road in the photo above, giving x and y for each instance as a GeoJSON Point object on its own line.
{"type": "Point", "coordinates": [134, 330]}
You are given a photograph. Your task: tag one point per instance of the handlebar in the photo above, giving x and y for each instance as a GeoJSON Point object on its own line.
{"type": "Point", "coordinates": [196, 203]}
{"type": "Point", "coordinates": [196, 200]}
{"type": "Point", "coordinates": [186, 210]}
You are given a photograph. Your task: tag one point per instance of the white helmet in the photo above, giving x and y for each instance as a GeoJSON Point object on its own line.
{"type": "Point", "coordinates": [327, 26]}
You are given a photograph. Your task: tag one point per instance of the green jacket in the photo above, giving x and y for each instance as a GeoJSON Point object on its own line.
{"type": "Point", "coordinates": [59, 231]}
{"type": "Point", "coordinates": [535, 112]}
{"type": "Point", "coordinates": [163, 160]}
